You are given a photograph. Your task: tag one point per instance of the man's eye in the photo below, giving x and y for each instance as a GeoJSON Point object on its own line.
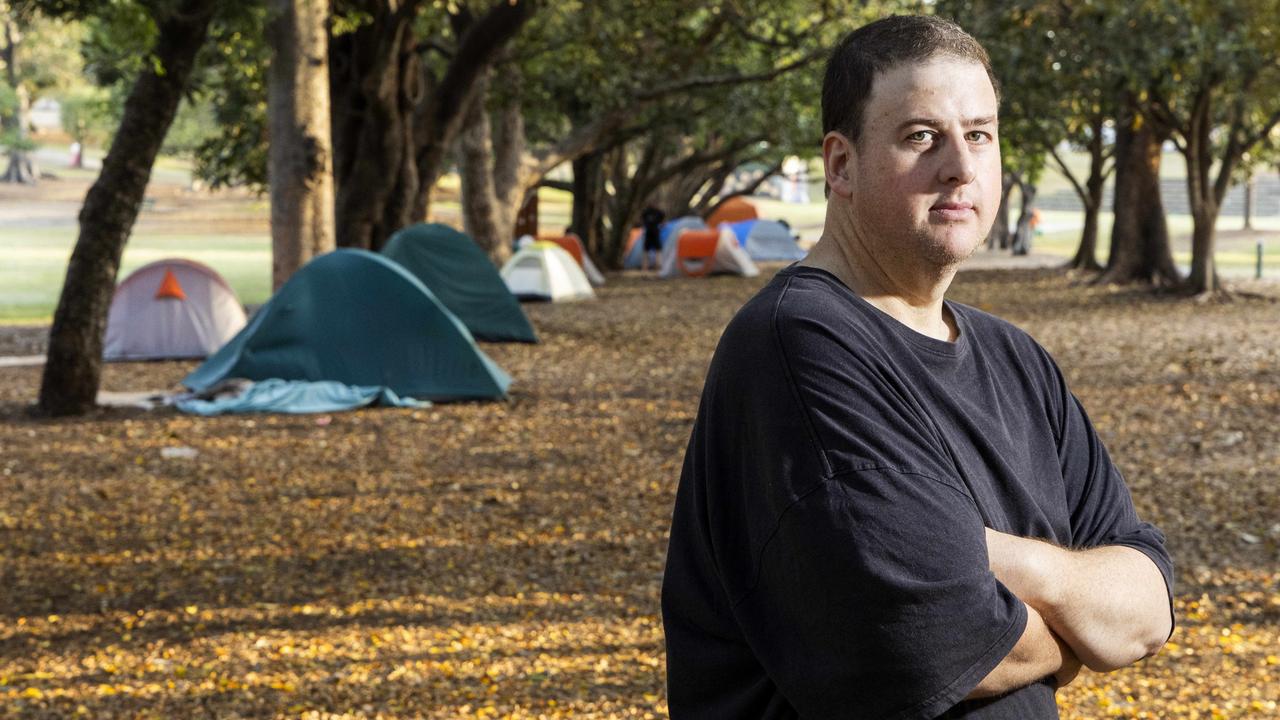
{"type": "Point", "coordinates": [978, 137]}
{"type": "Point", "coordinates": [919, 136]}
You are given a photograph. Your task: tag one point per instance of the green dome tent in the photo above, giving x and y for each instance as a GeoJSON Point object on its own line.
{"type": "Point", "coordinates": [453, 267]}
{"type": "Point", "coordinates": [357, 318]}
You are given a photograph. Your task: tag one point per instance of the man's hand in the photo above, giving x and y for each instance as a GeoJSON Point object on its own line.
{"type": "Point", "coordinates": [1108, 603]}
{"type": "Point", "coordinates": [1070, 669]}
{"type": "Point", "coordinates": [1038, 654]}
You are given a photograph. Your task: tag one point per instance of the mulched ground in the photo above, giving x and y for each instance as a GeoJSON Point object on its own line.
{"type": "Point", "coordinates": [504, 559]}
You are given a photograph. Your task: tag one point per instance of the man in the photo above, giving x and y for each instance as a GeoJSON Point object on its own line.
{"type": "Point", "coordinates": [891, 505]}
{"type": "Point", "coordinates": [651, 219]}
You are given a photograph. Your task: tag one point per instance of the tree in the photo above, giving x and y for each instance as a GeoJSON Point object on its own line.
{"type": "Point", "coordinates": [1216, 94]}
{"type": "Point", "coordinates": [396, 112]}
{"type": "Point", "coordinates": [1058, 88]}
{"type": "Point", "coordinates": [74, 366]}
{"type": "Point", "coordinates": [16, 107]}
{"type": "Point", "coordinates": [655, 80]}
{"type": "Point", "coordinates": [301, 177]}
{"type": "Point", "coordinates": [1139, 234]}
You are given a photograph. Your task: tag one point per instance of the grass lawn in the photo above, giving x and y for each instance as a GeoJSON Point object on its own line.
{"type": "Point", "coordinates": [35, 257]}
{"type": "Point", "coordinates": [1236, 251]}
{"type": "Point", "coordinates": [36, 263]}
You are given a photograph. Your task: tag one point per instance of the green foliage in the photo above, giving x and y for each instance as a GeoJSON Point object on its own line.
{"type": "Point", "coordinates": [117, 43]}
{"type": "Point", "coordinates": [234, 93]}
{"type": "Point", "coordinates": [8, 99]}
{"type": "Point", "coordinates": [14, 140]}
{"type": "Point", "coordinates": [579, 61]}
{"type": "Point", "coordinates": [88, 115]}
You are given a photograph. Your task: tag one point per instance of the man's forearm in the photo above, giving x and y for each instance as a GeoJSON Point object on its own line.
{"type": "Point", "coordinates": [1038, 654]}
{"type": "Point", "coordinates": [1108, 603]}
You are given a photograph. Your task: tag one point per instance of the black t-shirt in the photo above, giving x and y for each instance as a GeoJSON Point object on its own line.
{"type": "Point", "coordinates": [828, 554]}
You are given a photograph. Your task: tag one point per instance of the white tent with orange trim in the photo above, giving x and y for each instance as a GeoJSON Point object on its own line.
{"type": "Point", "coordinates": [706, 252]}
{"type": "Point", "coordinates": [171, 309]}
{"type": "Point", "coordinates": [572, 244]}
{"type": "Point", "coordinates": [544, 271]}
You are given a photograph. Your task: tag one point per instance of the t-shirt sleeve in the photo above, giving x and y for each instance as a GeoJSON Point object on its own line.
{"type": "Point", "coordinates": [1102, 511]}
{"type": "Point", "coordinates": [874, 599]}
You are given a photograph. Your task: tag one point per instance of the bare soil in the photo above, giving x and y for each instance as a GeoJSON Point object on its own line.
{"type": "Point", "coordinates": [504, 559]}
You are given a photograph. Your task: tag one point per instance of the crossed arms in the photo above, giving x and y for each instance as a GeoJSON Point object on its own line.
{"type": "Point", "coordinates": [1104, 607]}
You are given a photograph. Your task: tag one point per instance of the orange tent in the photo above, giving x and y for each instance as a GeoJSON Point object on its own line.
{"type": "Point", "coordinates": [695, 250]}
{"type": "Point", "coordinates": [733, 210]}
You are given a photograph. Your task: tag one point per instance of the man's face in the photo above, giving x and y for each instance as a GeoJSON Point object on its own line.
{"type": "Point", "coordinates": [925, 176]}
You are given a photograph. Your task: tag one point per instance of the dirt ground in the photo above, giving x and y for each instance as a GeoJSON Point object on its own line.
{"type": "Point", "coordinates": [504, 559]}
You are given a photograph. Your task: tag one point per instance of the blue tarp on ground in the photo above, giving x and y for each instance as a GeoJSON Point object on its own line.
{"type": "Point", "coordinates": [357, 318]}
{"type": "Point", "coordinates": [297, 396]}
{"type": "Point", "coordinates": [461, 277]}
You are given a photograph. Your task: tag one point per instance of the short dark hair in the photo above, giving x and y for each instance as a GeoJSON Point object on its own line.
{"type": "Point", "coordinates": [879, 46]}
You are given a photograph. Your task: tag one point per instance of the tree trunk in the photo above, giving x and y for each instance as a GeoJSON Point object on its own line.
{"type": "Point", "coordinates": [493, 187]}
{"type": "Point", "coordinates": [370, 127]}
{"type": "Point", "coordinates": [74, 366]}
{"type": "Point", "coordinates": [301, 171]}
{"type": "Point", "coordinates": [588, 201]}
{"type": "Point", "coordinates": [1022, 236]}
{"type": "Point", "coordinates": [999, 235]}
{"type": "Point", "coordinates": [625, 203]}
{"type": "Point", "coordinates": [1205, 202]}
{"type": "Point", "coordinates": [475, 158]}
{"type": "Point", "coordinates": [393, 120]}
{"type": "Point", "coordinates": [1248, 202]}
{"type": "Point", "coordinates": [22, 167]}
{"type": "Point", "coordinates": [1086, 257]}
{"type": "Point", "coordinates": [1139, 236]}
{"type": "Point", "coordinates": [1204, 270]}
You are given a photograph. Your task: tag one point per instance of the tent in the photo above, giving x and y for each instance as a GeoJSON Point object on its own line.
{"type": "Point", "coordinates": [572, 244]}
{"type": "Point", "coordinates": [706, 252]}
{"type": "Point", "coordinates": [766, 240]}
{"type": "Point", "coordinates": [670, 229]}
{"type": "Point", "coordinates": [357, 318]}
{"type": "Point", "coordinates": [735, 209]}
{"type": "Point", "coordinates": [544, 271]}
{"type": "Point", "coordinates": [171, 309]}
{"type": "Point", "coordinates": [461, 277]}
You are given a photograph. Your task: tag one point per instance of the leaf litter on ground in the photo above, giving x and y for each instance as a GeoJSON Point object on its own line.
{"type": "Point", "coordinates": [504, 559]}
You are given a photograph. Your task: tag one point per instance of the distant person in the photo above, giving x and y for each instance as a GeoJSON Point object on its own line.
{"type": "Point", "coordinates": [77, 155]}
{"type": "Point", "coordinates": [651, 219]}
{"type": "Point", "coordinates": [891, 505]}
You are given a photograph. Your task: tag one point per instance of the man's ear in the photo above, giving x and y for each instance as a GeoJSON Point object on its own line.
{"type": "Point", "coordinates": [837, 157]}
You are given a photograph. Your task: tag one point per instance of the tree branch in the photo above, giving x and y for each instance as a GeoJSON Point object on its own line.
{"type": "Point", "coordinates": [1066, 172]}
{"type": "Point", "coordinates": [733, 79]}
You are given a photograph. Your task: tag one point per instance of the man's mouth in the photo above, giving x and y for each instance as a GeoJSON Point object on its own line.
{"type": "Point", "coordinates": [952, 210]}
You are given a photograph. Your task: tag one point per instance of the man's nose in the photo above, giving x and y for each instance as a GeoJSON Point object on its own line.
{"type": "Point", "coordinates": [957, 166]}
